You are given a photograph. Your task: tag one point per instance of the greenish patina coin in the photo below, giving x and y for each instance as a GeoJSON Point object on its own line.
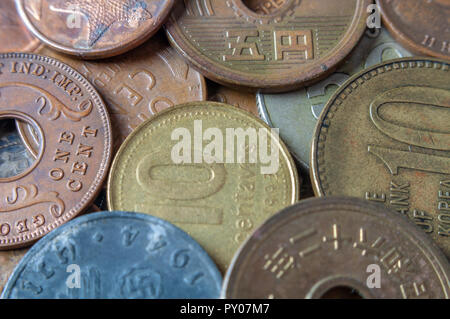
{"type": "Point", "coordinates": [296, 113]}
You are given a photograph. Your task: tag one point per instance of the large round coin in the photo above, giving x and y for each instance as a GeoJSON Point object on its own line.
{"type": "Point", "coordinates": [181, 166]}
{"type": "Point", "coordinates": [135, 86]}
{"type": "Point", "coordinates": [421, 26]}
{"type": "Point", "coordinates": [75, 150]}
{"type": "Point", "coordinates": [384, 136]}
{"type": "Point", "coordinates": [321, 246]}
{"type": "Point", "coordinates": [94, 29]}
{"type": "Point", "coordinates": [298, 43]}
{"type": "Point", "coordinates": [14, 36]}
{"type": "Point", "coordinates": [296, 113]}
{"type": "Point", "coordinates": [115, 255]}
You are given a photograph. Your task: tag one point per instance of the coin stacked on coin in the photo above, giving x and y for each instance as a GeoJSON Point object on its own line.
{"type": "Point", "coordinates": [189, 134]}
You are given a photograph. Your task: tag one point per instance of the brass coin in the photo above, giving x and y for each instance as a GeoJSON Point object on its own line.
{"type": "Point", "coordinates": [318, 246]}
{"type": "Point", "coordinates": [75, 149]}
{"type": "Point", "coordinates": [135, 86]}
{"type": "Point", "coordinates": [384, 136]}
{"type": "Point", "coordinates": [14, 36]}
{"type": "Point", "coordinates": [239, 98]}
{"type": "Point", "coordinates": [219, 203]}
{"type": "Point", "coordinates": [93, 29]}
{"type": "Point", "coordinates": [296, 44]}
{"type": "Point", "coordinates": [421, 26]}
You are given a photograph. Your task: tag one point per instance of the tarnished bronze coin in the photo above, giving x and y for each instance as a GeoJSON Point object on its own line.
{"type": "Point", "coordinates": [241, 99]}
{"type": "Point", "coordinates": [320, 246]}
{"type": "Point", "coordinates": [212, 169]}
{"type": "Point", "coordinates": [94, 29]}
{"type": "Point", "coordinates": [296, 44]}
{"type": "Point", "coordinates": [75, 146]}
{"type": "Point", "coordinates": [384, 136]}
{"type": "Point", "coordinates": [135, 86]}
{"type": "Point", "coordinates": [421, 26]}
{"type": "Point", "coordinates": [14, 35]}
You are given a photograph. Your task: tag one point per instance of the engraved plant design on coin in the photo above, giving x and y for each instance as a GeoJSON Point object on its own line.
{"type": "Point", "coordinates": [318, 245]}
{"type": "Point", "coordinates": [218, 204]}
{"type": "Point", "coordinates": [74, 154]}
{"type": "Point", "coordinates": [119, 255]}
{"type": "Point", "coordinates": [384, 136]}
{"type": "Point", "coordinates": [94, 29]}
{"type": "Point", "coordinates": [135, 86]}
{"type": "Point", "coordinates": [284, 49]}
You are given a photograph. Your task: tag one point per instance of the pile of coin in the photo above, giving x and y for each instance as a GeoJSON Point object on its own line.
{"type": "Point", "coordinates": [191, 134]}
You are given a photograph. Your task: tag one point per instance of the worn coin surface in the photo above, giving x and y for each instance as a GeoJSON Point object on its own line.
{"type": "Point", "coordinates": [116, 255]}
{"type": "Point", "coordinates": [296, 44]}
{"type": "Point", "coordinates": [241, 99]}
{"type": "Point", "coordinates": [421, 26]}
{"type": "Point", "coordinates": [296, 113]}
{"type": "Point", "coordinates": [75, 149]}
{"type": "Point", "coordinates": [93, 29]}
{"type": "Point", "coordinates": [14, 36]}
{"type": "Point", "coordinates": [14, 157]}
{"type": "Point", "coordinates": [216, 199]}
{"type": "Point", "coordinates": [319, 245]}
{"type": "Point", "coordinates": [135, 86]}
{"type": "Point", "coordinates": [384, 136]}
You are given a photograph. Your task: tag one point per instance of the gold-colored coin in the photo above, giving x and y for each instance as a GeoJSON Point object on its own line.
{"type": "Point", "coordinates": [180, 166]}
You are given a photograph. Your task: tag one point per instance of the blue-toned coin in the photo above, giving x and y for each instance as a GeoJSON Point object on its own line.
{"type": "Point", "coordinates": [115, 255]}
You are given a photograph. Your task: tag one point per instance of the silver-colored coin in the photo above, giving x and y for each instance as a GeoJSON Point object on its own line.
{"type": "Point", "coordinates": [296, 113]}
{"type": "Point", "coordinates": [14, 157]}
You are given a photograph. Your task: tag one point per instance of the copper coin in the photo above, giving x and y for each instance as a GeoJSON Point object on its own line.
{"type": "Point", "coordinates": [14, 36]}
{"type": "Point", "coordinates": [94, 29]}
{"type": "Point", "coordinates": [317, 246]}
{"type": "Point", "coordinates": [421, 26]}
{"type": "Point", "coordinates": [298, 43]}
{"type": "Point", "coordinates": [135, 86]}
{"type": "Point", "coordinates": [75, 150]}
{"type": "Point", "coordinates": [241, 99]}
{"type": "Point", "coordinates": [384, 136]}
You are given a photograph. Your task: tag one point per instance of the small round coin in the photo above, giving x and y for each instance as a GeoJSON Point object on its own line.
{"type": "Point", "coordinates": [319, 246]}
{"type": "Point", "coordinates": [74, 153]}
{"type": "Point", "coordinates": [296, 113]}
{"type": "Point", "coordinates": [300, 42]}
{"type": "Point", "coordinates": [94, 29]}
{"type": "Point", "coordinates": [14, 36]}
{"type": "Point", "coordinates": [166, 168]}
{"type": "Point", "coordinates": [135, 86]}
{"type": "Point", "coordinates": [384, 136]}
{"type": "Point", "coordinates": [421, 26]}
{"type": "Point", "coordinates": [115, 255]}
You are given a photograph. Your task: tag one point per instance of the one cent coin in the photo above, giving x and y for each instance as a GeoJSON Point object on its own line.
{"type": "Point", "coordinates": [93, 29]}
{"type": "Point", "coordinates": [296, 113]}
{"type": "Point", "coordinates": [193, 166]}
{"type": "Point", "coordinates": [421, 26]}
{"type": "Point", "coordinates": [296, 44]}
{"type": "Point", "coordinates": [319, 246]}
{"type": "Point", "coordinates": [75, 149]}
{"type": "Point", "coordinates": [14, 35]}
{"type": "Point", "coordinates": [115, 255]}
{"type": "Point", "coordinates": [384, 136]}
{"type": "Point", "coordinates": [135, 86]}
{"type": "Point", "coordinates": [241, 99]}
